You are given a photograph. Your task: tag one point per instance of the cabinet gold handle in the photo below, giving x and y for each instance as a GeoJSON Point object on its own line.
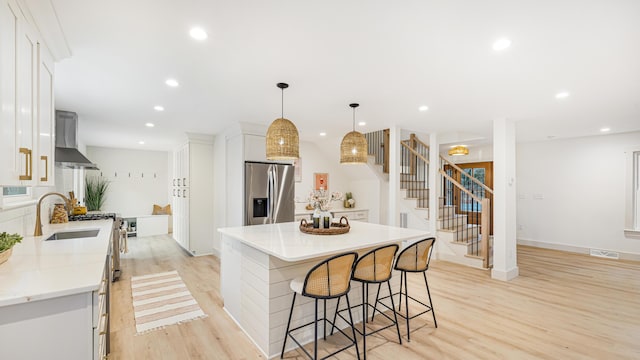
{"type": "Point", "coordinates": [28, 164]}
{"type": "Point", "coordinates": [46, 168]}
{"type": "Point", "coordinates": [184, 181]}
{"type": "Point", "coordinates": [178, 182]}
{"type": "Point", "coordinates": [184, 193]}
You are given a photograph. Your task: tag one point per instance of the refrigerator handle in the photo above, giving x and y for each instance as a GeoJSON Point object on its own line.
{"type": "Point", "coordinates": [270, 185]}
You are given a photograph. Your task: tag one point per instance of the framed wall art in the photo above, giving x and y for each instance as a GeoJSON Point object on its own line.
{"type": "Point", "coordinates": [321, 181]}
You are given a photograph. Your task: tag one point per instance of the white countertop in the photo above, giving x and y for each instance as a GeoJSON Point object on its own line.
{"type": "Point", "coordinates": [340, 210]}
{"type": "Point", "coordinates": [40, 269]}
{"type": "Point", "coordinates": [285, 240]}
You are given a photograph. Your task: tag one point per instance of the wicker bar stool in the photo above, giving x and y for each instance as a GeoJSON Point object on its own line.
{"type": "Point", "coordinates": [329, 279]}
{"type": "Point", "coordinates": [374, 267]}
{"type": "Point", "coordinates": [414, 258]}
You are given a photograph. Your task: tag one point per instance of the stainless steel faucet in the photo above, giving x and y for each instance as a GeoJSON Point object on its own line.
{"type": "Point", "coordinates": [67, 206]}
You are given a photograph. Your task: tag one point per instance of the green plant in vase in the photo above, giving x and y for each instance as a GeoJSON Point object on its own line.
{"type": "Point", "coordinates": [95, 191]}
{"type": "Point", "coordinates": [349, 201]}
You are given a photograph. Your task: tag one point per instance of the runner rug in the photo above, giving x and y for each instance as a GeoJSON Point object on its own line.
{"type": "Point", "coordinates": [162, 299]}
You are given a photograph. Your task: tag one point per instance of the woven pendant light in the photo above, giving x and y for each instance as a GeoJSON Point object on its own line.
{"type": "Point", "coordinates": [353, 149]}
{"type": "Point", "coordinates": [283, 142]}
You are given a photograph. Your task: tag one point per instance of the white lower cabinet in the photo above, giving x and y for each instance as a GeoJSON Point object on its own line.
{"type": "Point", "coordinates": [73, 327]}
{"type": "Point", "coordinates": [357, 215]}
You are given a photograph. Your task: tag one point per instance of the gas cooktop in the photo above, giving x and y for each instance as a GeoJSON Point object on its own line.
{"type": "Point", "coordinates": [100, 216]}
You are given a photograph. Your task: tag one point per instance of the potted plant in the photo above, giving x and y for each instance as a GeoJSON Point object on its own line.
{"type": "Point", "coordinates": [95, 190]}
{"type": "Point", "coordinates": [349, 201]}
{"type": "Point", "coordinates": [6, 245]}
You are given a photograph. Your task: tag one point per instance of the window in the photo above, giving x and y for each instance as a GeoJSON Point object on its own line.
{"type": "Point", "coordinates": [632, 221]}
{"type": "Point", "coordinates": [14, 190]}
{"type": "Point", "coordinates": [14, 195]}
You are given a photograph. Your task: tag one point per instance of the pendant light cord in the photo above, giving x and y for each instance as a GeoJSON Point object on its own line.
{"type": "Point", "coordinates": [354, 119]}
{"type": "Point", "coordinates": [282, 104]}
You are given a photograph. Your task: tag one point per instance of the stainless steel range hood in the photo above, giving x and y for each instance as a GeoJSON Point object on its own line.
{"type": "Point", "coordinates": [67, 154]}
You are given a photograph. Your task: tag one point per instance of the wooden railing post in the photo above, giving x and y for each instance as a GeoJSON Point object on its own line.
{"type": "Point", "coordinates": [385, 144]}
{"type": "Point", "coordinates": [412, 160]}
{"type": "Point", "coordinates": [486, 230]}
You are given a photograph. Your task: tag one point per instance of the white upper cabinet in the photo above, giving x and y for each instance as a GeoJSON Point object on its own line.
{"type": "Point", "coordinates": [9, 40]}
{"type": "Point", "coordinates": [26, 102]}
{"type": "Point", "coordinates": [46, 115]}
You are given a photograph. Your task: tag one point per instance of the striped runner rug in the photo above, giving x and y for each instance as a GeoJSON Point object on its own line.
{"type": "Point", "coordinates": [162, 299]}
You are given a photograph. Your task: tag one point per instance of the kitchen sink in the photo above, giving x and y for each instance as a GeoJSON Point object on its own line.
{"type": "Point", "coordinates": [74, 234]}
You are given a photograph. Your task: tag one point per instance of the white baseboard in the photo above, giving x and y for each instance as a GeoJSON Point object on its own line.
{"type": "Point", "coordinates": [504, 275]}
{"type": "Point", "coordinates": [574, 249]}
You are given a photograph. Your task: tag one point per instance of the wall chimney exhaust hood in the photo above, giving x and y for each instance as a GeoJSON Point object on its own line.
{"type": "Point", "coordinates": [67, 154]}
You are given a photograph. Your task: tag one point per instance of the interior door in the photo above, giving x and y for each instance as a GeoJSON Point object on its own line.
{"type": "Point", "coordinates": [464, 204]}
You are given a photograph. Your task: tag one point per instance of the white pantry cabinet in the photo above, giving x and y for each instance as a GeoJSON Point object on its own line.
{"type": "Point", "coordinates": [22, 116]}
{"type": "Point", "coordinates": [192, 195]}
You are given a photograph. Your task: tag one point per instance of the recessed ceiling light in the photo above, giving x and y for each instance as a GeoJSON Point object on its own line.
{"type": "Point", "coordinates": [323, 134]}
{"type": "Point", "coordinates": [605, 129]}
{"type": "Point", "coordinates": [172, 82]}
{"type": "Point", "coordinates": [198, 33]}
{"type": "Point", "coordinates": [501, 44]}
{"type": "Point", "coordinates": [158, 108]}
{"type": "Point", "coordinates": [562, 95]}
{"type": "Point", "coordinates": [362, 123]}
{"type": "Point", "coordinates": [141, 142]}
{"type": "Point", "coordinates": [423, 108]}
{"type": "Point", "coordinates": [149, 125]}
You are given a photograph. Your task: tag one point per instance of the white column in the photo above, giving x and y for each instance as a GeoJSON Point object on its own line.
{"type": "Point", "coordinates": [393, 217]}
{"type": "Point", "coordinates": [434, 182]}
{"type": "Point", "coordinates": [505, 265]}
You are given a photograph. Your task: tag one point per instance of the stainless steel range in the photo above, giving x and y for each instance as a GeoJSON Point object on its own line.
{"type": "Point", "coordinates": [115, 238]}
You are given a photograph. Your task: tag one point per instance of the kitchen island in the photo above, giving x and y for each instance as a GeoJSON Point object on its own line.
{"type": "Point", "coordinates": [258, 262]}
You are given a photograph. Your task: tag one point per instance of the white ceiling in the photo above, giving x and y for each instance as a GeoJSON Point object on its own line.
{"type": "Point", "coordinates": [391, 57]}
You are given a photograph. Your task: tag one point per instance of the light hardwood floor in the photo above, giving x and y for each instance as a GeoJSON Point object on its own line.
{"type": "Point", "coordinates": [562, 306]}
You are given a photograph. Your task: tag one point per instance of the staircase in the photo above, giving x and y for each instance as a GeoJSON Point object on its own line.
{"type": "Point", "coordinates": [464, 212]}
{"type": "Point", "coordinates": [464, 217]}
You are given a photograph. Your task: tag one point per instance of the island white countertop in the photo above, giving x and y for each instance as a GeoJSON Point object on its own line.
{"type": "Point", "coordinates": [286, 242]}
{"type": "Point", "coordinates": [337, 211]}
{"type": "Point", "coordinates": [40, 269]}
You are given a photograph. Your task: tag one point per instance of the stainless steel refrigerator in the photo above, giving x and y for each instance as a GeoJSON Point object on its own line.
{"type": "Point", "coordinates": [269, 193]}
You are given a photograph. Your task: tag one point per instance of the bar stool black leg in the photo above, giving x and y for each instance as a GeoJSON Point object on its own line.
{"type": "Point", "coordinates": [353, 329]}
{"type": "Point", "coordinates": [375, 304]}
{"type": "Point", "coordinates": [335, 316]}
{"type": "Point", "coordinates": [400, 293]}
{"type": "Point", "coordinates": [395, 317]}
{"type": "Point", "coordinates": [286, 334]}
{"type": "Point", "coordinates": [315, 334]}
{"type": "Point", "coordinates": [406, 305]}
{"type": "Point", "coordinates": [364, 321]}
{"type": "Point", "coordinates": [324, 336]}
{"type": "Point", "coordinates": [433, 312]}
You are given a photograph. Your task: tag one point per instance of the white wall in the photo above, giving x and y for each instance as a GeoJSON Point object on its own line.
{"type": "Point", "coordinates": [138, 178]}
{"type": "Point", "coordinates": [571, 193]}
{"type": "Point", "coordinates": [477, 153]}
{"type": "Point", "coordinates": [357, 179]}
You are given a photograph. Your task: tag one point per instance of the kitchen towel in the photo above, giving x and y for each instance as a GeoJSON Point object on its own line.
{"type": "Point", "coordinates": [162, 299]}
